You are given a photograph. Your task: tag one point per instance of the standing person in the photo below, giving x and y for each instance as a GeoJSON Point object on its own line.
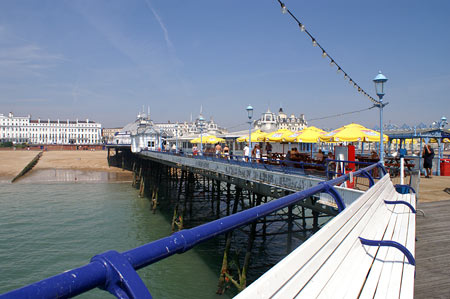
{"type": "Point", "coordinates": [428, 155]}
{"type": "Point", "coordinates": [226, 151]}
{"type": "Point", "coordinates": [195, 150]}
{"type": "Point", "coordinates": [319, 156]}
{"type": "Point", "coordinates": [174, 148]}
{"type": "Point", "coordinates": [257, 153]}
{"type": "Point", "coordinates": [218, 150]}
{"type": "Point", "coordinates": [246, 152]}
{"type": "Point", "coordinates": [269, 150]}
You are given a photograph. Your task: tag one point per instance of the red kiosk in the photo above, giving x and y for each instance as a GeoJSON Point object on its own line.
{"type": "Point", "coordinates": [345, 153]}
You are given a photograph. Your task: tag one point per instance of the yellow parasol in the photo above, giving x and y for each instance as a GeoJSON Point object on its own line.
{"type": "Point", "coordinates": [279, 135]}
{"type": "Point", "coordinates": [210, 139]}
{"type": "Point", "coordinates": [433, 140]}
{"type": "Point", "coordinates": [353, 133]}
{"type": "Point", "coordinates": [307, 135]}
{"type": "Point", "coordinates": [256, 137]}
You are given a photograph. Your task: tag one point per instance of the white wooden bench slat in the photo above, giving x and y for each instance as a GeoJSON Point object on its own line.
{"type": "Point", "coordinates": [373, 251]}
{"type": "Point", "coordinates": [269, 283]}
{"type": "Point", "coordinates": [358, 262]}
{"type": "Point", "coordinates": [301, 278]}
{"type": "Point", "coordinates": [334, 264]}
{"type": "Point", "coordinates": [380, 267]}
{"type": "Point", "coordinates": [397, 272]}
{"type": "Point", "coordinates": [407, 287]}
{"type": "Point", "coordinates": [372, 280]}
{"type": "Point", "coordinates": [389, 286]}
{"type": "Point", "coordinates": [348, 244]}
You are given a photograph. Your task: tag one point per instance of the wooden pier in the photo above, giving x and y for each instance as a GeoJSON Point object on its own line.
{"type": "Point", "coordinates": [433, 250]}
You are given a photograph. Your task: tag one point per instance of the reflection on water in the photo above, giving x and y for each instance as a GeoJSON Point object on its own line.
{"type": "Point", "coordinates": [74, 175]}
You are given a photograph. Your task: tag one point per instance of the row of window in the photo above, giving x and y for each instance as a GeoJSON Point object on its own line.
{"type": "Point", "coordinates": [46, 124]}
{"type": "Point", "coordinates": [20, 129]}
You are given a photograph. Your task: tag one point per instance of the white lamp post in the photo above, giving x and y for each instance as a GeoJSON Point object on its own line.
{"type": "Point", "coordinates": [250, 115]}
{"type": "Point", "coordinates": [200, 123]}
{"type": "Point", "coordinates": [176, 140]}
{"type": "Point", "coordinates": [379, 81]}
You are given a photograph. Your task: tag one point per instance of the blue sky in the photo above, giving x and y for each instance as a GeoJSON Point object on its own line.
{"type": "Point", "coordinates": [103, 60]}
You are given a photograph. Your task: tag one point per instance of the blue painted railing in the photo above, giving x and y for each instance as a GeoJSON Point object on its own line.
{"type": "Point", "coordinates": [285, 166]}
{"type": "Point", "coordinates": [116, 272]}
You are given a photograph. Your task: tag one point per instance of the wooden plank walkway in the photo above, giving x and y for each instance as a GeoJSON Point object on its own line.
{"type": "Point", "coordinates": [433, 250]}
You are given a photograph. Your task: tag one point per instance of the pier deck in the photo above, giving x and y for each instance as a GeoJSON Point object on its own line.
{"type": "Point", "coordinates": [432, 251]}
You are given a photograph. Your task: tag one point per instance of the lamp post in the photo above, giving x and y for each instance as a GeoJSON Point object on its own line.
{"type": "Point", "coordinates": [250, 115]}
{"type": "Point", "coordinates": [379, 81]}
{"type": "Point", "coordinates": [200, 123]}
{"type": "Point", "coordinates": [160, 140]}
{"type": "Point", "coordinates": [176, 140]}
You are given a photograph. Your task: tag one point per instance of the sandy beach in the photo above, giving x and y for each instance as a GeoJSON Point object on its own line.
{"type": "Point", "coordinates": [82, 163]}
{"type": "Point", "coordinates": [12, 162]}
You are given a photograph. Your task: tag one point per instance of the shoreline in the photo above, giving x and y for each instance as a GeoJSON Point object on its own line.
{"type": "Point", "coordinates": [76, 176]}
{"type": "Point", "coordinates": [61, 166]}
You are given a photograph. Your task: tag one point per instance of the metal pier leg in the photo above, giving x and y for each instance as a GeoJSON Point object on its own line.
{"type": "Point", "coordinates": [213, 194]}
{"type": "Point", "coordinates": [224, 275]}
{"type": "Point", "coordinates": [141, 187]}
{"type": "Point", "coordinates": [303, 218]}
{"type": "Point", "coordinates": [191, 179]}
{"type": "Point", "coordinates": [218, 200]}
{"type": "Point", "coordinates": [154, 200]}
{"type": "Point", "coordinates": [264, 222]}
{"type": "Point", "coordinates": [228, 198]}
{"type": "Point", "coordinates": [289, 235]}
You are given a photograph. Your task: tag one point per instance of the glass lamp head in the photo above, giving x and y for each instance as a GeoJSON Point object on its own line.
{"type": "Point", "coordinates": [249, 111]}
{"type": "Point", "coordinates": [379, 81]}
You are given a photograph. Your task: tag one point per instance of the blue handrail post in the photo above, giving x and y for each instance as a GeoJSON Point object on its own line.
{"type": "Point", "coordinates": [369, 177]}
{"type": "Point", "coordinates": [397, 245]}
{"type": "Point", "coordinates": [336, 196]}
{"type": "Point", "coordinates": [121, 279]}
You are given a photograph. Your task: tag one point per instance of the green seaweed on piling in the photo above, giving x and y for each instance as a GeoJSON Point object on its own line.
{"type": "Point", "coordinates": [28, 167]}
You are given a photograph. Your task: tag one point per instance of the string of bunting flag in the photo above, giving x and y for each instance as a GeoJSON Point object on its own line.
{"type": "Point", "coordinates": [325, 54]}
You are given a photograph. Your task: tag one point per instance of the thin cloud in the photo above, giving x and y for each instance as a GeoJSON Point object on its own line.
{"type": "Point", "coordinates": [26, 58]}
{"type": "Point", "coordinates": [169, 43]}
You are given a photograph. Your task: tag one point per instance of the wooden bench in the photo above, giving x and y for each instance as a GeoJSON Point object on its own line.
{"type": "Point", "coordinates": [334, 263]}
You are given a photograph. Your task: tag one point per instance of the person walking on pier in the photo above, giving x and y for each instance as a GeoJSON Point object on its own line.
{"type": "Point", "coordinates": [246, 152]}
{"type": "Point", "coordinates": [428, 155]}
{"type": "Point", "coordinates": [218, 150]}
{"type": "Point", "coordinates": [256, 153]}
{"type": "Point", "coordinates": [226, 152]}
{"type": "Point", "coordinates": [269, 150]}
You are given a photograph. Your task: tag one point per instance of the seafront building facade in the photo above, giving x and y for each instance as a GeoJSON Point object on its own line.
{"type": "Point", "coordinates": [191, 128]}
{"type": "Point", "coordinates": [23, 129]}
{"type": "Point", "coordinates": [270, 122]}
{"type": "Point", "coordinates": [108, 134]}
{"type": "Point", "coordinates": [143, 133]}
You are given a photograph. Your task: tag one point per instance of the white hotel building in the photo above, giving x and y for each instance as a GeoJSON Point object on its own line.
{"type": "Point", "coordinates": [22, 129]}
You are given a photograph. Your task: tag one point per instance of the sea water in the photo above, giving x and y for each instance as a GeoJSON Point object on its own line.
{"type": "Point", "coordinates": [48, 228]}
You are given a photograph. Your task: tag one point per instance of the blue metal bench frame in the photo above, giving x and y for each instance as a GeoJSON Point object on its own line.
{"type": "Point", "coordinates": [116, 272]}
